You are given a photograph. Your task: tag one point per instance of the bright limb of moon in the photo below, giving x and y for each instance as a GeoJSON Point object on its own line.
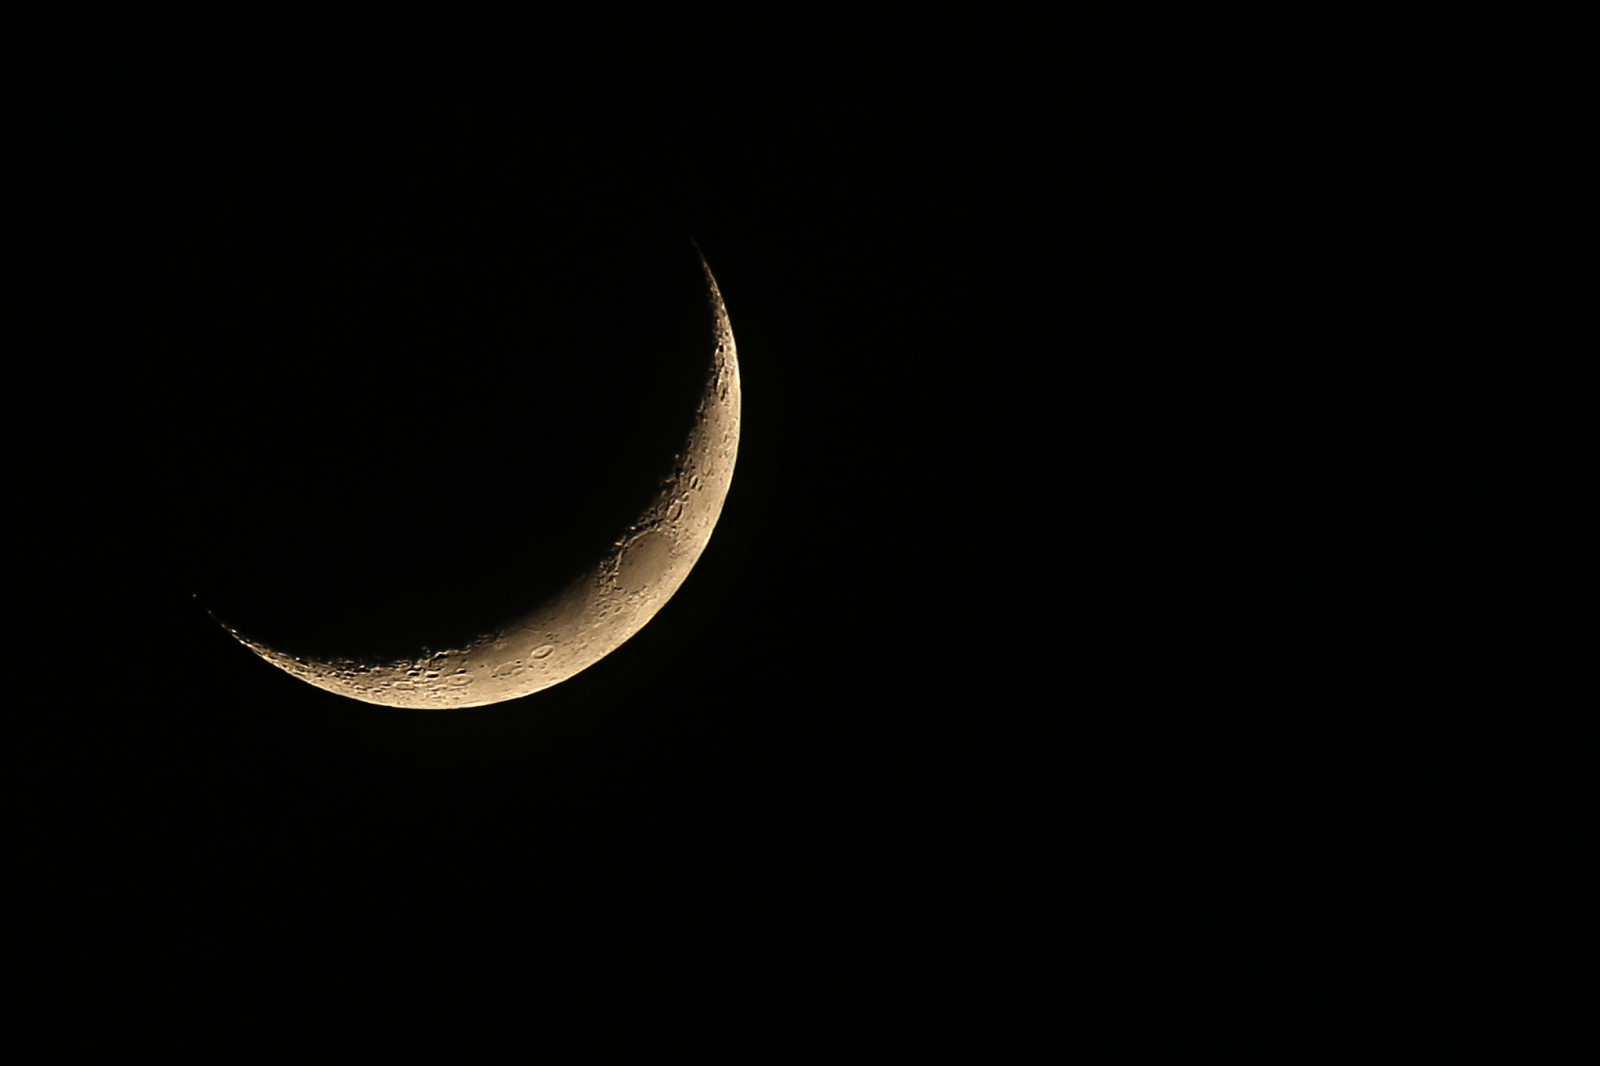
{"type": "Point", "coordinates": [596, 612]}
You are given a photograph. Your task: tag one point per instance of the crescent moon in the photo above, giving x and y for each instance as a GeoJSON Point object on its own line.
{"type": "Point", "coordinates": [597, 611]}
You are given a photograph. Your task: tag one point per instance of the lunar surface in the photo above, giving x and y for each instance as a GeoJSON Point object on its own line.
{"type": "Point", "coordinates": [596, 612]}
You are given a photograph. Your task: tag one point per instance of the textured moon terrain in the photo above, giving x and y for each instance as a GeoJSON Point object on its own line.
{"type": "Point", "coordinates": [596, 612]}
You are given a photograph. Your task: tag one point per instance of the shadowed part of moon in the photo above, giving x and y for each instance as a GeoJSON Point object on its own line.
{"type": "Point", "coordinates": [442, 525]}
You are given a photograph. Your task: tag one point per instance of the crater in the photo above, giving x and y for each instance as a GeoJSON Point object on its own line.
{"type": "Point", "coordinates": [644, 561]}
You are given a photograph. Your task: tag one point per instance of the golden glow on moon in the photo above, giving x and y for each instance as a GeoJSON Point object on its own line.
{"type": "Point", "coordinates": [596, 612]}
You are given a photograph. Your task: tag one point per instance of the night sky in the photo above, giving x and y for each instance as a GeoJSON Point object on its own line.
{"type": "Point", "coordinates": [1169, 485]}
{"type": "Point", "coordinates": [358, 323]}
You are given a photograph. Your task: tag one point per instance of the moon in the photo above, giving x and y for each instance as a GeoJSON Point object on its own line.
{"type": "Point", "coordinates": [598, 610]}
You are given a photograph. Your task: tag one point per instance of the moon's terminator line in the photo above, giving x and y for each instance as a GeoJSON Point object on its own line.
{"type": "Point", "coordinates": [597, 611]}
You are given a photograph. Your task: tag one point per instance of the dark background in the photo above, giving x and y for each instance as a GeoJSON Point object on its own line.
{"type": "Point", "coordinates": [377, 316]}
{"type": "Point", "coordinates": [1162, 460]}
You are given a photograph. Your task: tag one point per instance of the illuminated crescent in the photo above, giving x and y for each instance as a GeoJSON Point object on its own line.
{"type": "Point", "coordinates": [594, 614]}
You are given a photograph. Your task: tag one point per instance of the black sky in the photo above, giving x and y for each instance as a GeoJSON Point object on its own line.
{"type": "Point", "coordinates": [431, 314]}
{"type": "Point", "coordinates": [1163, 467]}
